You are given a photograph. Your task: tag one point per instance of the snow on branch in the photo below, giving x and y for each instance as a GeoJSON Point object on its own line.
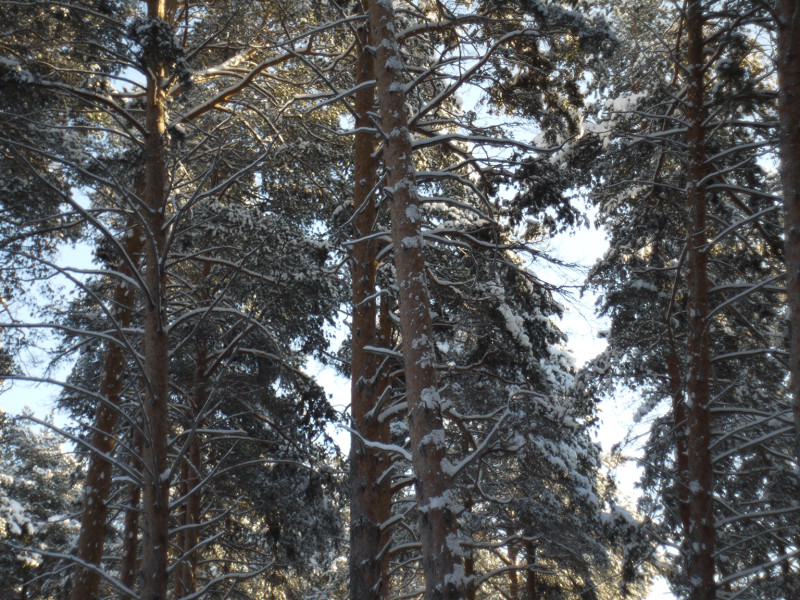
{"type": "Point", "coordinates": [389, 448]}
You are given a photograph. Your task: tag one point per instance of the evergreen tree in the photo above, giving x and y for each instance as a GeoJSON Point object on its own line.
{"type": "Point", "coordinates": [647, 280]}
{"type": "Point", "coordinates": [39, 488]}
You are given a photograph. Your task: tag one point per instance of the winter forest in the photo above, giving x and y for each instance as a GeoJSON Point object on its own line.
{"type": "Point", "coordinates": [204, 204]}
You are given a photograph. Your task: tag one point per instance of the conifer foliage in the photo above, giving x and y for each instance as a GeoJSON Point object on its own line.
{"type": "Point", "coordinates": [247, 180]}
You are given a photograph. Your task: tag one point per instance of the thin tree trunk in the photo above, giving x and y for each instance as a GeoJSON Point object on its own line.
{"type": "Point", "coordinates": [186, 572]}
{"type": "Point", "coordinates": [470, 592]}
{"type": "Point", "coordinates": [129, 565]}
{"type": "Point", "coordinates": [155, 497]}
{"type": "Point", "coordinates": [441, 552]}
{"type": "Point", "coordinates": [370, 494]}
{"type": "Point", "coordinates": [788, 63]}
{"type": "Point", "coordinates": [513, 575]}
{"type": "Point", "coordinates": [681, 449]}
{"type": "Point", "coordinates": [91, 539]}
{"type": "Point", "coordinates": [700, 549]}
{"type": "Point", "coordinates": [530, 583]}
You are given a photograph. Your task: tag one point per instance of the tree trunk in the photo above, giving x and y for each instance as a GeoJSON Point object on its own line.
{"type": "Point", "coordinates": [470, 592]}
{"type": "Point", "coordinates": [155, 497]}
{"type": "Point", "coordinates": [513, 575]}
{"type": "Point", "coordinates": [788, 63]}
{"type": "Point", "coordinates": [370, 494]}
{"type": "Point", "coordinates": [186, 571]}
{"type": "Point", "coordinates": [91, 539]}
{"type": "Point", "coordinates": [700, 547]}
{"type": "Point", "coordinates": [681, 449]}
{"type": "Point", "coordinates": [129, 565]}
{"type": "Point", "coordinates": [441, 552]}
{"type": "Point", "coordinates": [530, 582]}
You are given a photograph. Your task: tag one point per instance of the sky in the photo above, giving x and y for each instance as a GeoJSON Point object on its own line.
{"type": "Point", "coordinates": [15, 396]}
{"type": "Point", "coordinates": [583, 248]}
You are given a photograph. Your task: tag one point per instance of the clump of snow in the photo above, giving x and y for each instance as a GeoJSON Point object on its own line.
{"type": "Point", "coordinates": [514, 325]}
{"type": "Point", "coordinates": [429, 398]}
{"type": "Point", "coordinates": [435, 438]}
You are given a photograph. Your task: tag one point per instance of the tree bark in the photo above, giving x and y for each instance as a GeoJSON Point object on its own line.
{"type": "Point", "coordinates": [701, 542]}
{"type": "Point", "coordinates": [439, 536]}
{"type": "Point", "coordinates": [129, 566]}
{"type": "Point", "coordinates": [513, 575]}
{"type": "Point", "coordinates": [530, 581]}
{"type": "Point", "coordinates": [680, 425]}
{"type": "Point", "coordinates": [191, 468]}
{"type": "Point", "coordinates": [155, 496]}
{"type": "Point", "coordinates": [470, 591]}
{"type": "Point", "coordinates": [370, 494]}
{"type": "Point", "coordinates": [91, 539]}
{"type": "Point", "coordinates": [788, 63]}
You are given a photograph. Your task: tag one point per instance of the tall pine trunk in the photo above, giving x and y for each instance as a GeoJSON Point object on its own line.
{"type": "Point", "coordinates": [788, 63]}
{"type": "Point", "coordinates": [370, 493]}
{"type": "Point", "coordinates": [438, 528]}
{"type": "Point", "coordinates": [700, 547]}
{"type": "Point", "coordinates": [91, 539]}
{"type": "Point", "coordinates": [155, 497]}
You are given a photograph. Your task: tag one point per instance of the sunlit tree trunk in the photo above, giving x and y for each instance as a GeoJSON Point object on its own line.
{"type": "Point", "coordinates": [155, 497]}
{"type": "Point", "coordinates": [438, 529]}
{"type": "Point", "coordinates": [700, 547]}
{"type": "Point", "coordinates": [370, 494]}
{"type": "Point", "coordinates": [91, 539]}
{"type": "Point", "coordinates": [788, 63]}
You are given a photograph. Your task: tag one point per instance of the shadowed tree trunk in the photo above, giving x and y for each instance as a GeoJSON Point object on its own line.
{"type": "Point", "coordinates": [191, 467]}
{"type": "Point", "coordinates": [788, 63]}
{"type": "Point", "coordinates": [530, 581]}
{"type": "Point", "coordinates": [701, 542]}
{"type": "Point", "coordinates": [186, 571]}
{"type": "Point", "coordinates": [513, 575]}
{"type": "Point", "coordinates": [370, 494]}
{"type": "Point", "coordinates": [129, 566]}
{"type": "Point", "coordinates": [681, 449]}
{"type": "Point", "coordinates": [91, 539]}
{"type": "Point", "coordinates": [438, 528]}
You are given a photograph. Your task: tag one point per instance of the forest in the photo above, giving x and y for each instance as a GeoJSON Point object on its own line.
{"type": "Point", "coordinates": [258, 191]}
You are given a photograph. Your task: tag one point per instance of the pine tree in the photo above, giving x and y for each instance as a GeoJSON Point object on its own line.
{"type": "Point", "coordinates": [38, 493]}
{"type": "Point", "coordinates": [788, 89]}
{"type": "Point", "coordinates": [649, 287]}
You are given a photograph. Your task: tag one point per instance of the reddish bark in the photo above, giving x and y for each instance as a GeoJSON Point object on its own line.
{"type": "Point", "coordinates": [370, 494]}
{"type": "Point", "coordinates": [155, 496]}
{"type": "Point", "coordinates": [91, 539]}
{"type": "Point", "coordinates": [441, 554]}
{"type": "Point", "coordinates": [700, 547]}
{"type": "Point", "coordinates": [788, 63]}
